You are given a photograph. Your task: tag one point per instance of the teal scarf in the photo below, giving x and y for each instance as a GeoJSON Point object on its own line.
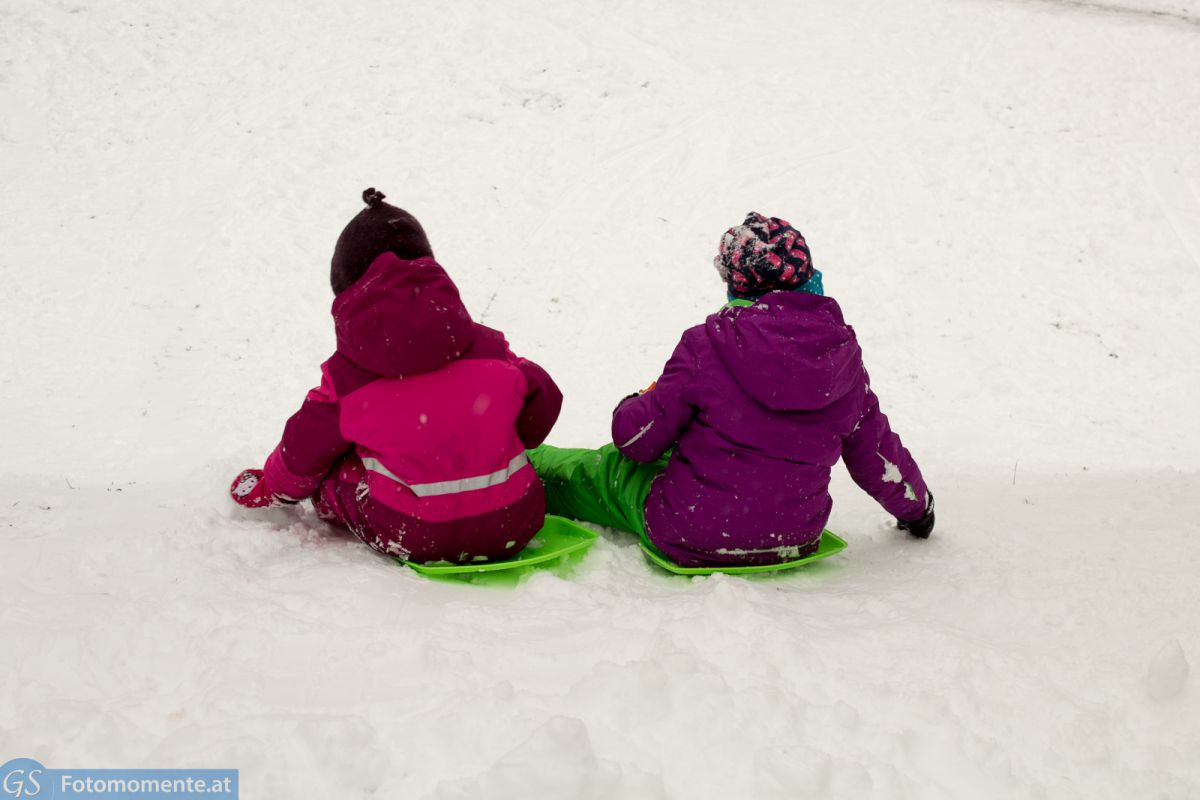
{"type": "Point", "coordinates": [812, 286]}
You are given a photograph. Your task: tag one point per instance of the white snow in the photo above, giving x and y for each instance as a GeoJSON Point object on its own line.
{"type": "Point", "coordinates": [891, 473]}
{"type": "Point", "coordinates": [1002, 195]}
{"type": "Point", "coordinates": [1188, 11]}
{"type": "Point", "coordinates": [1168, 672]}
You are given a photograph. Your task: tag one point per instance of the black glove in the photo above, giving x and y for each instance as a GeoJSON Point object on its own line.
{"type": "Point", "coordinates": [627, 397]}
{"type": "Point", "coordinates": [920, 528]}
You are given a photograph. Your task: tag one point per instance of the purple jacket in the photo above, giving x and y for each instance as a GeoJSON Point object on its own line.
{"type": "Point", "coordinates": [759, 403]}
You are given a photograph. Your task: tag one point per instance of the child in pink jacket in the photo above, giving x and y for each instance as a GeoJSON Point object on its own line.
{"type": "Point", "coordinates": [415, 440]}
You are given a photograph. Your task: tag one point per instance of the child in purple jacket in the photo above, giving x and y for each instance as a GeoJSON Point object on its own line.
{"type": "Point", "coordinates": [415, 439]}
{"type": "Point", "coordinates": [726, 459]}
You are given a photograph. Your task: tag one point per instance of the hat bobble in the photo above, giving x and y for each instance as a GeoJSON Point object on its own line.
{"type": "Point", "coordinates": [378, 228]}
{"type": "Point", "coordinates": [373, 197]}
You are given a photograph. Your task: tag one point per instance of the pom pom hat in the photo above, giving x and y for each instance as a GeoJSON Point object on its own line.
{"type": "Point", "coordinates": [378, 228]}
{"type": "Point", "coordinates": [763, 254]}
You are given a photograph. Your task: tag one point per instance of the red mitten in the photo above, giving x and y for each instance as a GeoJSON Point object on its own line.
{"type": "Point", "coordinates": [249, 489]}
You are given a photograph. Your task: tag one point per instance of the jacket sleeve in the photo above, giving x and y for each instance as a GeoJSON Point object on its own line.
{"type": "Point", "coordinates": [312, 441]}
{"type": "Point", "coordinates": [543, 402]}
{"type": "Point", "coordinates": [880, 465]}
{"type": "Point", "coordinates": [644, 426]}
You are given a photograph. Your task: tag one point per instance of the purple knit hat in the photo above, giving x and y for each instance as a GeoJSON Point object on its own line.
{"type": "Point", "coordinates": [761, 255]}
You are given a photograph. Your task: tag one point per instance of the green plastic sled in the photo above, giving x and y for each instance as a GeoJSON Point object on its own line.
{"type": "Point", "coordinates": [831, 543]}
{"type": "Point", "coordinates": [557, 539]}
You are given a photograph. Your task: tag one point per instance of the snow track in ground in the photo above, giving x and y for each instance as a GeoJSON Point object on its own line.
{"type": "Point", "coordinates": [1003, 197]}
{"type": "Point", "coordinates": [1155, 10]}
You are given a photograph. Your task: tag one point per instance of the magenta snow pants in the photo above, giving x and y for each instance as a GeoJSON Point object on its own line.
{"type": "Point", "coordinates": [344, 499]}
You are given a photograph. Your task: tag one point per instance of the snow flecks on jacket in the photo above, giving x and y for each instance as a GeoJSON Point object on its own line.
{"type": "Point", "coordinates": [418, 387]}
{"type": "Point", "coordinates": [645, 429]}
{"type": "Point", "coordinates": [758, 404]}
{"type": "Point", "coordinates": [891, 473]}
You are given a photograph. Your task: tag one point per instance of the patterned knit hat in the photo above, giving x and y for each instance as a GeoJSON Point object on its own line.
{"type": "Point", "coordinates": [379, 228]}
{"type": "Point", "coordinates": [761, 255]}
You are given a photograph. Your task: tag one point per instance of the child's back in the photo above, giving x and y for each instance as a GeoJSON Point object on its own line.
{"type": "Point", "coordinates": [726, 458]}
{"type": "Point", "coordinates": [416, 437]}
{"type": "Point", "coordinates": [761, 401]}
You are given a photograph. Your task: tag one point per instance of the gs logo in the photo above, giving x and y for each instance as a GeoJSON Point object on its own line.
{"type": "Point", "coordinates": [22, 779]}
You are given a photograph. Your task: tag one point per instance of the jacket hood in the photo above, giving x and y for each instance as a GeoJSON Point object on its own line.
{"type": "Point", "coordinates": [789, 351]}
{"type": "Point", "coordinates": [402, 318]}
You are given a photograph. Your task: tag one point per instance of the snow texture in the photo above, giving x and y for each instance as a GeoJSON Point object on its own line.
{"type": "Point", "coordinates": [1168, 672]}
{"type": "Point", "coordinates": [1002, 194]}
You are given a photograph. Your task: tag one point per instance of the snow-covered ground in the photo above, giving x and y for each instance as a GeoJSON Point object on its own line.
{"type": "Point", "coordinates": [1004, 196]}
{"type": "Point", "coordinates": [1184, 10]}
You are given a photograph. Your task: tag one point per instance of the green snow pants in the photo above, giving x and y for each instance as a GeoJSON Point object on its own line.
{"type": "Point", "coordinates": [600, 486]}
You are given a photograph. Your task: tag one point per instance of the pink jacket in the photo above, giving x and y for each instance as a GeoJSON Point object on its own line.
{"type": "Point", "coordinates": [438, 410]}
